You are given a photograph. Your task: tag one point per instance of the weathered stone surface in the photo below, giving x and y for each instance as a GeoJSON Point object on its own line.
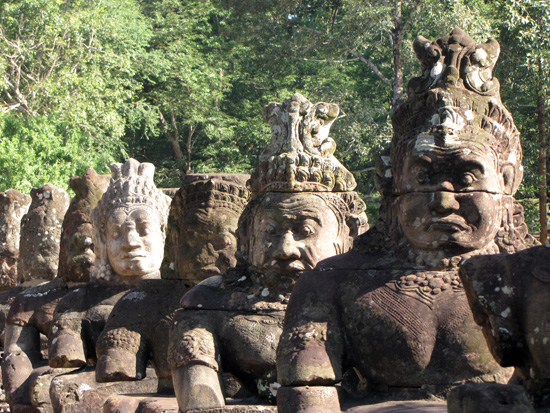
{"type": "Point", "coordinates": [316, 398]}
{"type": "Point", "coordinates": [301, 211]}
{"type": "Point", "coordinates": [413, 406]}
{"type": "Point", "coordinates": [129, 226]}
{"type": "Point", "coordinates": [509, 299]}
{"type": "Point", "coordinates": [489, 397]}
{"type": "Point", "coordinates": [40, 235]}
{"type": "Point", "coordinates": [13, 206]}
{"type": "Point", "coordinates": [202, 225]}
{"type": "Point", "coordinates": [31, 313]}
{"type": "Point", "coordinates": [80, 393]}
{"type": "Point", "coordinates": [394, 307]}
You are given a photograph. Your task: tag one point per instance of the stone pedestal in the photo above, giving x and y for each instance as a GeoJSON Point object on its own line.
{"type": "Point", "coordinates": [80, 393]}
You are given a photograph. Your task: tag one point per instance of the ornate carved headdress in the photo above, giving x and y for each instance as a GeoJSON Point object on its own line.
{"type": "Point", "coordinates": [131, 186]}
{"type": "Point", "coordinates": [214, 190]}
{"type": "Point", "coordinates": [300, 159]}
{"type": "Point", "coordinates": [300, 156]}
{"type": "Point", "coordinates": [455, 102]}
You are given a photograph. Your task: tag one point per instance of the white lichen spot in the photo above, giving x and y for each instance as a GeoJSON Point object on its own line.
{"type": "Point", "coordinates": [171, 266]}
{"type": "Point", "coordinates": [451, 141]}
{"type": "Point", "coordinates": [134, 296]}
{"type": "Point", "coordinates": [545, 340]}
{"type": "Point", "coordinates": [265, 292]}
{"type": "Point", "coordinates": [386, 160]}
{"type": "Point", "coordinates": [507, 290]}
{"type": "Point", "coordinates": [242, 278]}
{"type": "Point", "coordinates": [537, 330]}
{"type": "Point", "coordinates": [273, 387]}
{"type": "Point", "coordinates": [437, 70]}
{"type": "Point", "coordinates": [424, 142]}
{"type": "Point", "coordinates": [83, 388]}
{"type": "Point", "coordinates": [388, 173]}
{"type": "Point", "coordinates": [436, 120]}
{"type": "Point", "coordinates": [199, 305]}
{"type": "Point", "coordinates": [506, 313]}
{"type": "Point", "coordinates": [250, 296]}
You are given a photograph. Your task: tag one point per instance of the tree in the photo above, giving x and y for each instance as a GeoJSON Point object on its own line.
{"type": "Point", "coordinates": [356, 53]}
{"type": "Point", "coordinates": [66, 80]}
{"type": "Point", "coordinates": [526, 36]}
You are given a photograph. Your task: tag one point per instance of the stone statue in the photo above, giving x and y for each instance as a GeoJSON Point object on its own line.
{"type": "Point", "coordinates": [393, 311]}
{"type": "Point", "coordinates": [38, 236]}
{"type": "Point", "coordinates": [13, 206]}
{"type": "Point", "coordinates": [301, 211]}
{"type": "Point", "coordinates": [31, 313]}
{"type": "Point", "coordinates": [129, 224]}
{"type": "Point", "coordinates": [201, 242]}
{"type": "Point", "coordinates": [507, 295]}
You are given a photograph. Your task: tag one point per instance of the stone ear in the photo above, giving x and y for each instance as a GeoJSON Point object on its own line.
{"type": "Point", "coordinates": [509, 178]}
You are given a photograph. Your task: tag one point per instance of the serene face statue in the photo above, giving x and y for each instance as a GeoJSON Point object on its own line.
{"type": "Point", "coordinates": [135, 243]}
{"type": "Point", "coordinates": [208, 242]}
{"type": "Point", "coordinates": [450, 198]}
{"type": "Point", "coordinates": [293, 232]}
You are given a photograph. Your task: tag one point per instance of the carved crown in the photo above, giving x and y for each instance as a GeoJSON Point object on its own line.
{"type": "Point", "coordinates": [132, 185]}
{"type": "Point", "coordinates": [215, 190]}
{"type": "Point", "coordinates": [300, 155]}
{"type": "Point", "coordinates": [455, 102]}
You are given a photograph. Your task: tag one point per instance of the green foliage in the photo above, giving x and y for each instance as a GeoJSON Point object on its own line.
{"type": "Point", "coordinates": [67, 68]}
{"type": "Point", "coordinates": [83, 83]}
{"type": "Point", "coordinates": [42, 149]}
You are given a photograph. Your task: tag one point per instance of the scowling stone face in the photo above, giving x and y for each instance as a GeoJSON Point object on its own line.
{"type": "Point", "coordinates": [135, 242]}
{"type": "Point", "coordinates": [450, 198]}
{"type": "Point", "coordinates": [293, 232]}
{"type": "Point", "coordinates": [208, 242]}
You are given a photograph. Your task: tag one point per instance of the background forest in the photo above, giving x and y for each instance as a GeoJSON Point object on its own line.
{"type": "Point", "coordinates": [181, 83]}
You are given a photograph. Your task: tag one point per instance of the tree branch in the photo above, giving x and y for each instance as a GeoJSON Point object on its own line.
{"type": "Point", "coordinates": [372, 66]}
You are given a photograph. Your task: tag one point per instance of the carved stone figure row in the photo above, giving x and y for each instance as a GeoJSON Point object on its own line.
{"type": "Point", "coordinates": [388, 311]}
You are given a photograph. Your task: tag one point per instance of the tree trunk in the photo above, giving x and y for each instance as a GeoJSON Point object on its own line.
{"type": "Point", "coordinates": [543, 201]}
{"type": "Point", "coordinates": [189, 147]}
{"type": "Point", "coordinates": [172, 136]}
{"type": "Point", "coordinates": [396, 40]}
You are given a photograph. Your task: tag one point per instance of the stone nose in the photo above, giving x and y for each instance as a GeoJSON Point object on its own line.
{"type": "Point", "coordinates": [444, 201]}
{"type": "Point", "coordinates": [286, 247]}
{"type": "Point", "coordinates": [132, 239]}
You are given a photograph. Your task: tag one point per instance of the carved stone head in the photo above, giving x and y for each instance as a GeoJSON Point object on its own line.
{"type": "Point", "coordinates": [455, 159]}
{"type": "Point", "coordinates": [76, 255]}
{"type": "Point", "coordinates": [129, 225]}
{"type": "Point", "coordinates": [202, 225]}
{"type": "Point", "coordinates": [40, 234]}
{"type": "Point", "coordinates": [13, 206]}
{"type": "Point", "coordinates": [303, 208]}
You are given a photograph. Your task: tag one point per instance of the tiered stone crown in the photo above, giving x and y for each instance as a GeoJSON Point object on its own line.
{"type": "Point", "coordinates": [300, 156]}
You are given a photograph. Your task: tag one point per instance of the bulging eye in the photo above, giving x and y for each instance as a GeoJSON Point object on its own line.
{"type": "Point", "coordinates": [306, 230]}
{"type": "Point", "coordinates": [422, 176]}
{"type": "Point", "coordinates": [270, 229]}
{"type": "Point", "coordinates": [467, 179]}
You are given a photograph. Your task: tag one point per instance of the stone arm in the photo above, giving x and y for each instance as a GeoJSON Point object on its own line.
{"type": "Point", "coordinates": [122, 352]}
{"type": "Point", "coordinates": [492, 289]}
{"type": "Point", "coordinates": [21, 353]}
{"type": "Point", "coordinates": [193, 355]}
{"type": "Point", "coordinates": [65, 342]}
{"type": "Point", "coordinates": [310, 350]}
